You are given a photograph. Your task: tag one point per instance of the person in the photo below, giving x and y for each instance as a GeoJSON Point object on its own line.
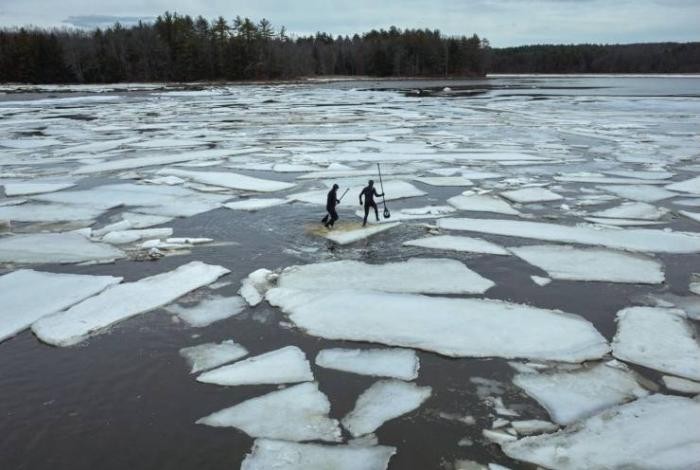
{"type": "Point", "coordinates": [331, 202]}
{"type": "Point", "coordinates": [369, 192]}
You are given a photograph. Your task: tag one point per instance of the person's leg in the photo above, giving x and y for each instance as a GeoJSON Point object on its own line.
{"type": "Point", "coordinates": [334, 217]}
{"type": "Point", "coordinates": [376, 211]}
{"type": "Point", "coordinates": [364, 222]}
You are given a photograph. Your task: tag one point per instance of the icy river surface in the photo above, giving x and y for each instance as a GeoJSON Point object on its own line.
{"type": "Point", "coordinates": [170, 299]}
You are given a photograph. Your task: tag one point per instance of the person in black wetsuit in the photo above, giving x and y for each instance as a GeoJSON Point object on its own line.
{"type": "Point", "coordinates": [369, 192]}
{"type": "Point", "coordinates": [331, 202]}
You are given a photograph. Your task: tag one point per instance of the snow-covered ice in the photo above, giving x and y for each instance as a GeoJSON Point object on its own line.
{"type": "Point", "coordinates": [285, 365]}
{"type": "Point", "coordinates": [63, 247]}
{"type": "Point", "coordinates": [120, 302]}
{"type": "Point", "coordinates": [122, 237]}
{"type": "Point", "coordinates": [254, 286]}
{"type": "Point", "coordinates": [482, 203]}
{"type": "Point", "coordinates": [30, 212]}
{"type": "Point", "coordinates": [527, 195]}
{"type": "Point", "coordinates": [209, 310]}
{"type": "Point", "coordinates": [229, 180]}
{"type": "Point", "coordinates": [633, 210]}
{"type": "Point", "coordinates": [209, 355]}
{"type": "Point", "coordinates": [383, 401]}
{"type": "Point", "coordinates": [346, 235]}
{"type": "Point", "coordinates": [456, 243]}
{"type": "Point", "coordinates": [680, 385]}
{"type": "Point", "coordinates": [297, 413]}
{"type": "Point", "coordinates": [395, 363]}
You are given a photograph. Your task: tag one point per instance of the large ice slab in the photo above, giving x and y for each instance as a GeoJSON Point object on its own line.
{"type": "Point", "coordinates": [254, 286]}
{"type": "Point", "coordinates": [658, 241]}
{"type": "Point", "coordinates": [688, 186]}
{"type": "Point", "coordinates": [298, 413]}
{"type": "Point", "coordinates": [437, 276]}
{"type": "Point", "coordinates": [383, 401]}
{"type": "Point", "coordinates": [633, 210]}
{"type": "Point", "coordinates": [123, 301]}
{"type": "Point", "coordinates": [209, 355]}
{"type": "Point", "coordinates": [691, 215]}
{"type": "Point", "coordinates": [254, 204]}
{"type": "Point", "coordinates": [64, 247]}
{"type": "Point", "coordinates": [209, 310]}
{"type": "Point", "coordinates": [229, 180]}
{"type": "Point", "coordinates": [592, 264]}
{"type": "Point", "coordinates": [527, 195]}
{"type": "Point", "coordinates": [642, 193]}
{"type": "Point", "coordinates": [395, 363]}
{"type": "Point", "coordinates": [26, 296]}
{"type": "Point", "coordinates": [30, 212]}
{"type": "Point", "coordinates": [122, 237]}
{"type": "Point", "coordinates": [269, 454]}
{"type": "Point", "coordinates": [119, 164]}
{"type": "Point", "coordinates": [482, 203]}
{"type": "Point", "coordinates": [34, 187]}
{"type": "Point", "coordinates": [452, 327]}
{"type": "Point", "coordinates": [456, 243]}
{"type": "Point", "coordinates": [285, 365]}
{"type": "Point", "coordinates": [658, 338]}
{"type": "Point", "coordinates": [345, 235]}
{"type": "Point", "coordinates": [652, 433]}
{"type": "Point", "coordinates": [569, 396]}
{"type": "Point", "coordinates": [444, 180]}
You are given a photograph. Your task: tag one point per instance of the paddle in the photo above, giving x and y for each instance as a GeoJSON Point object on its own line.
{"type": "Point", "coordinates": [387, 214]}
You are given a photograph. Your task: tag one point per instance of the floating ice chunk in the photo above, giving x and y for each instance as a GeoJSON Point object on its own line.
{"type": "Point", "coordinates": [694, 287]}
{"type": "Point", "coordinates": [658, 338]}
{"type": "Point", "coordinates": [569, 396]}
{"type": "Point", "coordinates": [26, 296]}
{"type": "Point", "coordinates": [691, 215]}
{"type": "Point", "coordinates": [434, 211]}
{"type": "Point", "coordinates": [120, 302]}
{"type": "Point", "coordinates": [628, 239]}
{"type": "Point", "coordinates": [500, 157]}
{"type": "Point", "coordinates": [132, 221]}
{"type": "Point", "coordinates": [680, 385]}
{"type": "Point", "coordinates": [293, 168]}
{"type": "Point", "coordinates": [383, 401]}
{"type": "Point", "coordinates": [209, 355]}
{"type": "Point", "coordinates": [600, 179]}
{"type": "Point", "coordinates": [168, 143]}
{"type": "Point", "coordinates": [437, 276]}
{"type": "Point", "coordinates": [591, 264]}
{"type": "Point", "coordinates": [285, 365]}
{"type": "Point", "coordinates": [254, 286]}
{"type": "Point", "coordinates": [688, 186]}
{"type": "Point", "coordinates": [633, 210]}
{"type": "Point", "coordinates": [346, 235]}
{"type": "Point", "coordinates": [540, 281]}
{"type": "Point", "coordinates": [646, 175]}
{"type": "Point", "coordinates": [395, 363]}
{"type": "Point", "coordinates": [154, 160]}
{"type": "Point", "coordinates": [209, 310]}
{"type": "Point", "coordinates": [482, 203]}
{"type": "Point", "coordinates": [643, 193]}
{"type": "Point", "coordinates": [468, 464]}
{"type": "Point", "coordinates": [34, 187]}
{"type": "Point", "coordinates": [452, 327]}
{"type": "Point", "coordinates": [229, 180]}
{"type": "Point", "coordinates": [121, 237]}
{"type": "Point", "coordinates": [169, 180]}
{"type": "Point", "coordinates": [28, 143]}
{"type": "Point", "coordinates": [63, 247]}
{"type": "Point", "coordinates": [479, 175]}
{"type": "Point", "coordinates": [269, 454]}
{"type": "Point", "coordinates": [527, 195]}
{"type": "Point", "coordinates": [454, 243]}
{"type": "Point", "coordinates": [255, 204]}
{"type": "Point", "coordinates": [392, 189]}
{"type": "Point", "coordinates": [48, 213]}
{"type": "Point", "coordinates": [533, 426]}
{"type": "Point", "coordinates": [298, 413]}
{"type": "Point", "coordinates": [498, 437]}
{"type": "Point", "coordinates": [622, 222]}
{"type": "Point", "coordinates": [654, 432]}
{"type": "Point", "coordinates": [444, 180]}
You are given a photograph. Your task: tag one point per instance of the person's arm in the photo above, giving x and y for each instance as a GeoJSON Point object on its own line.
{"type": "Point", "coordinates": [376, 194]}
{"type": "Point", "coordinates": [361, 194]}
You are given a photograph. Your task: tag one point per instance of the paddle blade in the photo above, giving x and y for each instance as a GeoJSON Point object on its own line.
{"type": "Point", "coordinates": [387, 214]}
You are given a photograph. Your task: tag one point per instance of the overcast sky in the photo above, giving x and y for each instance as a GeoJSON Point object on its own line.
{"type": "Point", "coordinates": [503, 22]}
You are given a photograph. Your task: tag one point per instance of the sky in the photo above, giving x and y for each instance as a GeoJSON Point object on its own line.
{"type": "Point", "coordinates": [503, 22]}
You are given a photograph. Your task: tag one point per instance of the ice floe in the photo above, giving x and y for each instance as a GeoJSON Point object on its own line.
{"type": "Point", "coordinates": [152, 160]}
{"type": "Point", "coordinates": [482, 203]}
{"type": "Point", "coordinates": [680, 385]}
{"type": "Point", "coordinates": [444, 180]}
{"type": "Point", "coordinates": [622, 222]}
{"type": "Point", "coordinates": [533, 426]}
{"type": "Point", "coordinates": [688, 186]}
{"type": "Point", "coordinates": [63, 247]}
{"type": "Point", "coordinates": [285, 365]}
{"type": "Point", "coordinates": [395, 363]}
{"type": "Point", "coordinates": [383, 401]}
{"type": "Point", "coordinates": [209, 310]}
{"type": "Point", "coordinates": [591, 264]}
{"type": "Point", "coordinates": [691, 215]}
{"type": "Point", "coordinates": [642, 193]}
{"type": "Point", "coordinates": [659, 338]}
{"type": "Point", "coordinates": [344, 235]}
{"type": "Point", "coordinates": [456, 243]}
{"type": "Point", "coordinates": [120, 302]}
{"type": "Point", "coordinates": [209, 355]}
{"type": "Point", "coordinates": [34, 187]}
{"type": "Point", "coordinates": [254, 286]}
{"type": "Point", "coordinates": [527, 195]}
{"type": "Point", "coordinates": [30, 212]}
{"type": "Point", "coordinates": [121, 237]}
{"type": "Point", "coordinates": [452, 327]}
{"type": "Point", "coordinates": [255, 204]}
{"type": "Point", "coordinates": [229, 180]}
{"type": "Point", "coordinates": [654, 432]}
{"type": "Point", "coordinates": [633, 210]}
{"type": "Point", "coordinates": [297, 413]}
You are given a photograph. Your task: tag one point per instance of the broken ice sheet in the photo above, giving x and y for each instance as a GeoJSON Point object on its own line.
{"type": "Point", "coordinates": [270, 454]}
{"type": "Point", "coordinates": [533, 426]}
{"type": "Point", "coordinates": [437, 276]}
{"type": "Point", "coordinates": [26, 296]}
{"type": "Point", "coordinates": [444, 180]}
{"type": "Point", "coordinates": [395, 363]}
{"type": "Point", "coordinates": [383, 401]}
{"type": "Point", "coordinates": [527, 195]}
{"type": "Point", "coordinates": [254, 286]}
{"type": "Point", "coordinates": [482, 203]}
{"type": "Point", "coordinates": [688, 186]}
{"type": "Point", "coordinates": [452, 327]}
{"type": "Point", "coordinates": [654, 432]}
{"type": "Point", "coordinates": [32, 212]}
{"type": "Point", "coordinates": [64, 247]}
{"type": "Point", "coordinates": [346, 234]}
{"type": "Point", "coordinates": [456, 243]}
{"type": "Point", "coordinates": [209, 355]}
{"type": "Point", "coordinates": [569, 396]}
{"type": "Point", "coordinates": [633, 210]}
{"type": "Point", "coordinates": [642, 193]}
{"type": "Point", "coordinates": [229, 180]}
{"type": "Point", "coordinates": [122, 237]}
{"type": "Point", "coordinates": [209, 310]}
{"type": "Point", "coordinates": [297, 413]}
{"type": "Point", "coordinates": [120, 302]}
{"type": "Point", "coordinates": [254, 204]}
{"type": "Point", "coordinates": [680, 385]}
{"type": "Point", "coordinates": [285, 365]}
{"type": "Point", "coordinates": [34, 187]}
{"type": "Point", "coordinates": [659, 338]}
{"type": "Point", "coordinates": [591, 264]}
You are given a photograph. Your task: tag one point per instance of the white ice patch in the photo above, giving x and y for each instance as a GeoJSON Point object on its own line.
{"type": "Point", "coordinates": [120, 302]}
{"type": "Point", "coordinates": [658, 338]}
{"type": "Point", "coordinates": [120, 164]}
{"type": "Point", "coordinates": [229, 180]}
{"type": "Point", "coordinates": [600, 179]}
{"type": "Point", "coordinates": [452, 327]}
{"type": "Point", "coordinates": [343, 236]}
{"type": "Point", "coordinates": [393, 190]}
{"type": "Point", "coordinates": [691, 215]}
{"type": "Point", "coordinates": [533, 426]}
{"type": "Point", "coordinates": [255, 204]}
{"type": "Point", "coordinates": [527, 195]}
{"type": "Point", "coordinates": [633, 210]}
{"type": "Point", "coordinates": [680, 385]}
{"type": "Point", "coordinates": [210, 355]}
{"type": "Point", "coordinates": [30, 212]}
{"type": "Point", "coordinates": [285, 365]}
{"type": "Point", "coordinates": [298, 413]}
{"type": "Point", "coordinates": [570, 396]}
{"type": "Point", "coordinates": [209, 310]}
{"type": "Point", "coordinates": [254, 286]}
{"type": "Point", "coordinates": [383, 401]}
{"type": "Point", "coordinates": [621, 222]}
{"type": "Point", "coordinates": [269, 454]}
{"type": "Point", "coordinates": [64, 247]}
{"type": "Point", "coordinates": [654, 432]}
{"type": "Point", "coordinates": [688, 186]}
{"type": "Point", "coordinates": [437, 276]}
{"type": "Point", "coordinates": [26, 296]}
{"type": "Point", "coordinates": [644, 240]}
{"type": "Point", "coordinates": [29, 187]}
{"type": "Point", "coordinates": [482, 203]}
{"type": "Point", "coordinates": [455, 243]}
{"type": "Point", "coordinates": [444, 180]}
{"type": "Point", "coordinates": [642, 193]}
{"type": "Point", "coordinates": [591, 264]}
{"type": "Point", "coordinates": [395, 363]}
{"type": "Point", "coordinates": [541, 281]}
{"type": "Point", "coordinates": [121, 237]}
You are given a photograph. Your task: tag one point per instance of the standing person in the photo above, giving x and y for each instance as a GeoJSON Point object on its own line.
{"type": "Point", "coordinates": [369, 192]}
{"type": "Point", "coordinates": [331, 201]}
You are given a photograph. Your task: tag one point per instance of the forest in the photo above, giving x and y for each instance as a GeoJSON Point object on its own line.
{"type": "Point", "coordinates": [182, 48]}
